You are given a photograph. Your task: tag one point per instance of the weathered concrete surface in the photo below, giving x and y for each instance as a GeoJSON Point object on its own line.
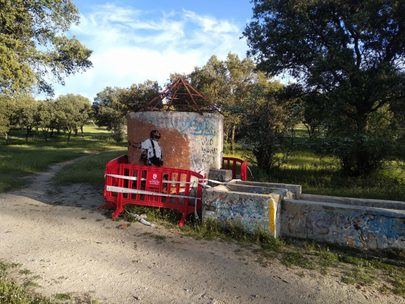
{"type": "Point", "coordinates": [253, 211]}
{"type": "Point", "coordinates": [261, 187]}
{"type": "Point", "coordinates": [220, 175]}
{"type": "Point", "coordinates": [188, 140]}
{"type": "Point", "coordinates": [354, 226]}
{"type": "Point", "coordinates": [397, 205]}
{"type": "Point", "coordinates": [359, 223]}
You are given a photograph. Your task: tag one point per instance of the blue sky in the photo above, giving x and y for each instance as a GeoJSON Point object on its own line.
{"type": "Point", "coordinates": [133, 41]}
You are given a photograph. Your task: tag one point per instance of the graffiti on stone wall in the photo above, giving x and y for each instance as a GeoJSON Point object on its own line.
{"type": "Point", "coordinates": [197, 126]}
{"type": "Point", "coordinates": [354, 228]}
{"type": "Point", "coordinates": [251, 211]}
{"type": "Point", "coordinates": [202, 132]}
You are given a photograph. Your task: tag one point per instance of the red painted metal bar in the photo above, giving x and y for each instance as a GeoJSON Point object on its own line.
{"type": "Point", "coordinates": [175, 189]}
{"type": "Point", "coordinates": [238, 166]}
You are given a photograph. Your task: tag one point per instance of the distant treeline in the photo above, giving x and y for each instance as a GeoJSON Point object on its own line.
{"type": "Point", "coordinates": [68, 114]}
{"type": "Point", "coordinates": [259, 113]}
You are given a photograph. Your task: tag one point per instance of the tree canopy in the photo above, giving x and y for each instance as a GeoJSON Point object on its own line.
{"type": "Point", "coordinates": [348, 54]}
{"type": "Point", "coordinates": [226, 84]}
{"type": "Point", "coordinates": [33, 45]}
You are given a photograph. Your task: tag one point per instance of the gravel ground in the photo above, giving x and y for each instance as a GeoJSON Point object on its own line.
{"type": "Point", "coordinates": [59, 235]}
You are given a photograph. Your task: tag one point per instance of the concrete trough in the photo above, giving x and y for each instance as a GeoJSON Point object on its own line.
{"type": "Point", "coordinates": [254, 207]}
{"type": "Point", "coordinates": [283, 211]}
{"type": "Point", "coordinates": [359, 223]}
{"type": "Point", "coordinates": [293, 191]}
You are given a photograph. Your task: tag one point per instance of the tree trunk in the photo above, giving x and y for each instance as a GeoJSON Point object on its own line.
{"type": "Point", "coordinates": [233, 139]}
{"type": "Point", "coordinates": [360, 158]}
{"type": "Point", "coordinates": [264, 158]}
{"type": "Point", "coordinates": [27, 133]}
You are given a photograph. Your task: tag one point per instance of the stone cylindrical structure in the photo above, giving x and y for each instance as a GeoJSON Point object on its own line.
{"type": "Point", "coordinates": [188, 140]}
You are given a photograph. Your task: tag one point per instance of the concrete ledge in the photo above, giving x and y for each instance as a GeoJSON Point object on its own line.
{"type": "Point", "coordinates": [220, 175]}
{"type": "Point", "coordinates": [296, 190]}
{"type": "Point", "coordinates": [239, 187]}
{"type": "Point", "coordinates": [253, 211]}
{"type": "Point", "coordinates": [354, 226]}
{"type": "Point", "coordinates": [398, 205]}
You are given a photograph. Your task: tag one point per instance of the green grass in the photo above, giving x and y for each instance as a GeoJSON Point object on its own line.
{"type": "Point", "coordinates": [317, 175]}
{"type": "Point", "coordinates": [322, 175]}
{"type": "Point", "coordinates": [88, 170]}
{"type": "Point", "coordinates": [62, 296]}
{"type": "Point", "coordinates": [19, 159]}
{"type": "Point", "coordinates": [21, 291]}
{"type": "Point", "coordinates": [13, 293]}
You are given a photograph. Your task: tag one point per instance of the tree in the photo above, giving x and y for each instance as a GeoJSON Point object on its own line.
{"type": "Point", "coordinates": [109, 111]}
{"type": "Point", "coordinates": [33, 45]}
{"type": "Point", "coordinates": [83, 108]}
{"type": "Point", "coordinates": [24, 114]}
{"type": "Point", "coordinates": [137, 96]}
{"type": "Point", "coordinates": [112, 104]}
{"type": "Point", "coordinates": [6, 112]}
{"type": "Point", "coordinates": [268, 116]}
{"type": "Point", "coordinates": [72, 112]}
{"type": "Point", "coordinates": [350, 52]}
{"type": "Point", "coordinates": [45, 117]}
{"type": "Point", "coordinates": [226, 83]}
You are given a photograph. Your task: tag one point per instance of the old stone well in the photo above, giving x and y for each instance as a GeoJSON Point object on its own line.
{"type": "Point", "coordinates": [189, 140]}
{"type": "Point", "coordinates": [192, 139]}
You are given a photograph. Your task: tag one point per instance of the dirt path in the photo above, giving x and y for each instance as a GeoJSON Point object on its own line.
{"type": "Point", "coordinates": [74, 248]}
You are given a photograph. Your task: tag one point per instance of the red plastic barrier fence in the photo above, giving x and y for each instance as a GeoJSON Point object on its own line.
{"type": "Point", "coordinates": [238, 166]}
{"type": "Point", "coordinates": [151, 186]}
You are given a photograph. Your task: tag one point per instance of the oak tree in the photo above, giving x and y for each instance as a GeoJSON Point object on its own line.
{"type": "Point", "coordinates": [351, 53]}
{"type": "Point", "coordinates": [34, 47]}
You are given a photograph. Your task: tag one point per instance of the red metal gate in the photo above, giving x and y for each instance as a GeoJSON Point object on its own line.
{"type": "Point", "coordinates": [151, 186]}
{"type": "Point", "coordinates": [238, 166]}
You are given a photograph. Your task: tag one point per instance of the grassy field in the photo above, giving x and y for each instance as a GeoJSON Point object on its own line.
{"type": "Point", "coordinates": [317, 175]}
{"type": "Point", "coordinates": [19, 159]}
{"type": "Point", "coordinates": [88, 170]}
{"type": "Point", "coordinates": [322, 175]}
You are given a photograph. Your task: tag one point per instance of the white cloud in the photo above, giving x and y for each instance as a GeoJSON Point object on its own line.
{"type": "Point", "coordinates": [130, 46]}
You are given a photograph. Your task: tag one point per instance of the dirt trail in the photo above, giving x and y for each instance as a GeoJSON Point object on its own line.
{"type": "Point", "coordinates": [74, 248]}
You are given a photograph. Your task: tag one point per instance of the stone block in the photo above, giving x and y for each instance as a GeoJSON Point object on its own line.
{"type": "Point", "coordinates": [220, 175]}
{"type": "Point", "coordinates": [253, 211]}
{"type": "Point", "coordinates": [293, 191]}
{"type": "Point", "coordinates": [366, 228]}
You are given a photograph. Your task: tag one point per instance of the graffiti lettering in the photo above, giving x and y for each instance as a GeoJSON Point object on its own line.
{"type": "Point", "coordinates": [194, 125]}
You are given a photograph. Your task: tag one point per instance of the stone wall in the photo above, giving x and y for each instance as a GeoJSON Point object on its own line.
{"type": "Point", "coordinates": [251, 210]}
{"type": "Point", "coordinates": [347, 225]}
{"type": "Point", "coordinates": [188, 140]}
{"type": "Point", "coordinates": [293, 191]}
{"type": "Point", "coordinates": [358, 223]}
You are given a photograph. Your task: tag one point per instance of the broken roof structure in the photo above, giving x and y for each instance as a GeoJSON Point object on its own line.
{"type": "Point", "coordinates": [180, 95]}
